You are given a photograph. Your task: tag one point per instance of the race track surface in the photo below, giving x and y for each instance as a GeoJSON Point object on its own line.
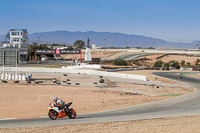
{"type": "Point", "coordinates": [179, 106]}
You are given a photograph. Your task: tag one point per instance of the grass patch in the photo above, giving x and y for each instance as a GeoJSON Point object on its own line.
{"type": "Point", "coordinates": [171, 95]}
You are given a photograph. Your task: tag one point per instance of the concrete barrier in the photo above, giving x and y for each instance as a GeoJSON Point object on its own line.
{"type": "Point", "coordinates": [76, 71]}
{"type": "Point", "coordinates": [10, 76]}
{"type": "Point", "coordinates": [83, 65]}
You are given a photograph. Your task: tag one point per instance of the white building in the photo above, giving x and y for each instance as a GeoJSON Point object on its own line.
{"type": "Point", "coordinates": [94, 46]}
{"type": "Point", "coordinates": [16, 38]}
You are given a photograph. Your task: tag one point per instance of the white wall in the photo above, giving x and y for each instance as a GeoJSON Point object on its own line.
{"type": "Point", "coordinates": [81, 71]}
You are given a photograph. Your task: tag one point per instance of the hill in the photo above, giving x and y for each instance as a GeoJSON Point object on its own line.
{"type": "Point", "coordinates": [104, 39]}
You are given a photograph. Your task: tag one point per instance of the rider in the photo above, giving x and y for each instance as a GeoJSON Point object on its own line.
{"type": "Point", "coordinates": [181, 75]}
{"type": "Point", "coordinates": [57, 101]}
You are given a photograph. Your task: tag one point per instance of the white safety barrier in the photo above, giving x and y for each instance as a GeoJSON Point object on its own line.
{"type": "Point", "coordinates": [10, 76]}
{"type": "Point", "coordinates": [83, 65]}
{"type": "Point", "coordinates": [81, 71]}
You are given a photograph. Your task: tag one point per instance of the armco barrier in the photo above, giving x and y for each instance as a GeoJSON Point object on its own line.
{"type": "Point", "coordinates": [195, 69]}
{"type": "Point", "coordinates": [81, 71]}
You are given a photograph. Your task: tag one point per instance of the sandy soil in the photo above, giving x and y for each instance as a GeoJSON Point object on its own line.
{"type": "Point", "coordinates": [188, 124]}
{"type": "Point", "coordinates": [179, 58]}
{"type": "Point", "coordinates": [95, 54]}
{"type": "Point", "coordinates": [32, 100]}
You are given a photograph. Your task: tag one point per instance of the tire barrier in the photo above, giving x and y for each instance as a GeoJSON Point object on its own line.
{"type": "Point", "coordinates": [64, 74]}
{"type": "Point", "coordinates": [100, 76]}
{"type": "Point", "coordinates": [69, 83]}
{"type": "Point", "coordinates": [17, 81]}
{"type": "Point", "coordinates": [58, 83]}
{"type": "Point", "coordinates": [28, 82]}
{"type": "Point", "coordinates": [195, 69]}
{"type": "Point", "coordinates": [37, 82]}
{"type": "Point", "coordinates": [101, 81]}
{"type": "Point", "coordinates": [134, 69]}
{"type": "Point", "coordinates": [4, 81]}
{"type": "Point", "coordinates": [54, 80]}
{"type": "Point", "coordinates": [95, 83]}
{"type": "Point", "coordinates": [11, 76]}
{"type": "Point", "coordinates": [123, 69]}
{"type": "Point", "coordinates": [64, 81]}
{"type": "Point", "coordinates": [77, 83]}
{"type": "Point", "coordinates": [68, 79]}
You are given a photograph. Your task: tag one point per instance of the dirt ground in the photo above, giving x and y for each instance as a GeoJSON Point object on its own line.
{"type": "Point", "coordinates": [95, 54]}
{"type": "Point", "coordinates": [179, 58]}
{"type": "Point", "coordinates": [32, 100]}
{"type": "Point", "coordinates": [188, 124]}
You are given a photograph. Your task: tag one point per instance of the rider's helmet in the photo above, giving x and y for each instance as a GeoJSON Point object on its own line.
{"type": "Point", "coordinates": [54, 98]}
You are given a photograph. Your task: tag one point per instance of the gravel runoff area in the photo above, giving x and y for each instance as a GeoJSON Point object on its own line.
{"type": "Point", "coordinates": [87, 97]}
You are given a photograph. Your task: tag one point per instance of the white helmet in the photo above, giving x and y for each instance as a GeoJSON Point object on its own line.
{"type": "Point", "coordinates": [54, 98]}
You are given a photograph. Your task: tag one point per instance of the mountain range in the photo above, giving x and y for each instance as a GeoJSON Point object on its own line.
{"type": "Point", "coordinates": [104, 39]}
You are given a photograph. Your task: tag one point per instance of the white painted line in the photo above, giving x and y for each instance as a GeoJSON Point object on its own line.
{"type": "Point", "coordinates": [7, 119]}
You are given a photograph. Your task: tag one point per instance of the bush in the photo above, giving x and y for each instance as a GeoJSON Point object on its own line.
{"type": "Point", "coordinates": [120, 62]}
{"type": "Point", "coordinates": [182, 62]}
{"type": "Point", "coordinates": [188, 64]}
{"type": "Point", "coordinates": [174, 63]}
{"type": "Point", "coordinates": [158, 63]}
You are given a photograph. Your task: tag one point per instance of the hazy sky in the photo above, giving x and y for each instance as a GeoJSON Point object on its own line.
{"type": "Point", "coordinates": [173, 20]}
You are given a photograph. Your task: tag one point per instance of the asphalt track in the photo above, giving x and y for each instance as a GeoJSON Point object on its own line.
{"type": "Point", "coordinates": [185, 105]}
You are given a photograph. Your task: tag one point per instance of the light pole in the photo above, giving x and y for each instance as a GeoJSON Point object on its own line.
{"type": "Point", "coordinates": [105, 45]}
{"type": "Point", "coordinates": [38, 39]}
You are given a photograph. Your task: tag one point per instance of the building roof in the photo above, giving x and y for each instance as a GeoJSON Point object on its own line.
{"type": "Point", "coordinates": [24, 30]}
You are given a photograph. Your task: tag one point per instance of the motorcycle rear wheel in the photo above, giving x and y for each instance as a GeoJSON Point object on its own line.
{"type": "Point", "coordinates": [72, 113]}
{"type": "Point", "coordinates": [53, 115]}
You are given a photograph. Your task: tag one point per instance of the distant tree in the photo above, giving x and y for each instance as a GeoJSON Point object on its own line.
{"type": "Point", "coordinates": [174, 63]}
{"type": "Point", "coordinates": [158, 63]}
{"type": "Point", "coordinates": [150, 48]}
{"type": "Point", "coordinates": [197, 62]}
{"type": "Point", "coordinates": [70, 48]}
{"type": "Point", "coordinates": [120, 62]}
{"type": "Point", "coordinates": [182, 62]}
{"type": "Point", "coordinates": [79, 44]}
{"type": "Point", "coordinates": [166, 65]}
{"type": "Point", "coordinates": [33, 47]}
{"type": "Point", "coordinates": [188, 64]}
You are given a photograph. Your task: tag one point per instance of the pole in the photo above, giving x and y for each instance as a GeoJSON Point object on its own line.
{"type": "Point", "coordinates": [80, 57]}
{"type": "Point", "coordinates": [3, 59]}
{"type": "Point", "coordinates": [105, 46]}
{"type": "Point", "coordinates": [35, 56]}
{"type": "Point", "coordinates": [16, 60]}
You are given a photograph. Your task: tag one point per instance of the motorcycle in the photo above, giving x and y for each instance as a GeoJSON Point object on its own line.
{"type": "Point", "coordinates": [61, 111]}
{"type": "Point", "coordinates": [181, 76]}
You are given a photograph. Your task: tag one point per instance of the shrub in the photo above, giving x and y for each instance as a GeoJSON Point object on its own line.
{"type": "Point", "coordinates": [158, 63]}
{"type": "Point", "coordinates": [174, 63]}
{"type": "Point", "coordinates": [120, 62]}
{"type": "Point", "coordinates": [182, 62]}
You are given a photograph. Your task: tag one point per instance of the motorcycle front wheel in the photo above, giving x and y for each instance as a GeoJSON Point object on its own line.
{"type": "Point", "coordinates": [53, 115]}
{"type": "Point", "coordinates": [72, 113]}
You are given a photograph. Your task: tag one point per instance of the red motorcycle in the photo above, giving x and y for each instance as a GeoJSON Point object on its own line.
{"type": "Point", "coordinates": [61, 111]}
